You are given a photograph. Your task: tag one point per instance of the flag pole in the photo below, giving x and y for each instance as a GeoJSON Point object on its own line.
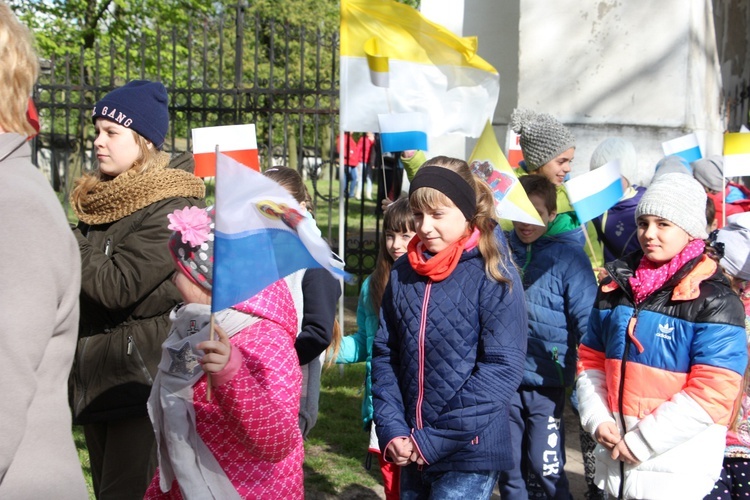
{"type": "Point", "coordinates": [211, 323]}
{"type": "Point", "coordinates": [342, 192]}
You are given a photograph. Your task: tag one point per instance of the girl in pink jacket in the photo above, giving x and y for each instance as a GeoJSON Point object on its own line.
{"type": "Point", "coordinates": [243, 442]}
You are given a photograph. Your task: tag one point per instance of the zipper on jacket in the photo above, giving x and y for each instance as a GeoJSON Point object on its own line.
{"type": "Point", "coordinates": [420, 347]}
{"type": "Point", "coordinates": [628, 341]}
{"type": "Point", "coordinates": [108, 247]}
{"type": "Point", "coordinates": [133, 348]}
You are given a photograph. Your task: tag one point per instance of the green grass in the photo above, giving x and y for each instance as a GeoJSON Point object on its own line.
{"type": "Point", "coordinates": [336, 448]}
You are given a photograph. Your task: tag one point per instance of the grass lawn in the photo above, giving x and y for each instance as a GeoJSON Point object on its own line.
{"type": "Point", "coordinates": [335, 449]}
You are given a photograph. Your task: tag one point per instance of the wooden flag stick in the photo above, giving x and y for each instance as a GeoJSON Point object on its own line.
{"type": "Point", "coordinates": [208, 375]}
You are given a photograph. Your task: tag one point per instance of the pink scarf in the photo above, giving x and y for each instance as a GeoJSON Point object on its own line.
{"type": "Point", "coordinates": [650, 276]}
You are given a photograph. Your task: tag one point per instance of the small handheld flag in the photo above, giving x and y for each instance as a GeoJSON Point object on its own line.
{"type": "Point", "coordinates": [596, 191]}
{"type": "Point", "coordinates": [686, 146]}
{"type": "Point", "coordinates": [261, 235]}
{"type": "Point", "coordinates": [403, 131]}
{"type": "Point", "coordinates": [235, 141]}
{"type": "Point", "coordinates": [488, 162]}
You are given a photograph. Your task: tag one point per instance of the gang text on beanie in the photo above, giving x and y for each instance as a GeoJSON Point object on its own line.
{"type": "Point", "coordinates": [140, 105]}
{"type": "Point", "coordinates": [678, 198]}
{"type": "Point", "coordinates": [543, 137]}
{"type": "Point", "coordinates": [192, 243]}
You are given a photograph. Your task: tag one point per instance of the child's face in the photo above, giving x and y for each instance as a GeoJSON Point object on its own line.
{"type": "Point", "coordinates": [115, 147]}
{"type": "Point", "coordinates": [529, 233]}
{"type": "Point", "coordinates": [555, 170]}
{"type": "Point", "coordinates": [396, 242]}
{"type": "Point", "coordinates": [191, 293]}
{"type": "Point", "coordinates": [440, 226]}
{"type": "Point", "coordinates": [660, 239]}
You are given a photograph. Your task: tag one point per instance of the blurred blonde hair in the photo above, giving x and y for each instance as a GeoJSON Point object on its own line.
{"type": "Point", "coordinates": [19, 68]}
{"type": "Point", "coordinates": [484, 219]}
{"type": "Point", "coordinates": [85, 184]}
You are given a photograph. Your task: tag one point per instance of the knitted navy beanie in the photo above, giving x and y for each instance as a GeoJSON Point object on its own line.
{"type": "Point", "coordinates": [543, 137]}
{"type": "Point", "coordinates": [139, 105]}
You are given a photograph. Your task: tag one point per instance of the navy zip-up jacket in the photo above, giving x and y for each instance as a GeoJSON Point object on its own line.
{"type": "Point", "coordinates": [560, 290]}
{"type": "Point", "coordinates": [447, 359]}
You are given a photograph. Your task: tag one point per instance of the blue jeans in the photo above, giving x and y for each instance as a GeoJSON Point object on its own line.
{"type": "Point", "coordinates": [446, 485]}
{"type": "Point", "coordinates": [351, 181]}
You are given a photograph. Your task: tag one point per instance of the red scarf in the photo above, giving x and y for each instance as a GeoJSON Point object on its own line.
{"type": "Point", "coordinates": [441, 265]}
{"type": "Point", "coordinates": [650, 276]}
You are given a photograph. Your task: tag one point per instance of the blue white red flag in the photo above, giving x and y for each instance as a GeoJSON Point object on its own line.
{"type": "Point", "coordinates": [595, 192]}
{"type": "Point", "coordinates": [261, 235]}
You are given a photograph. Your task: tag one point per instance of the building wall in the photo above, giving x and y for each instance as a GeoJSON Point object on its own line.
{"type": "Point", "coordinates": [648, 72]}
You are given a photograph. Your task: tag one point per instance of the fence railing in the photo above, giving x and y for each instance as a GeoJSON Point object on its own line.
{"type": "Point", "coordinates": [223, 70]}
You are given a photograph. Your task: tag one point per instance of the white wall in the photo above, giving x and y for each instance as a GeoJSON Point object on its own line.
{"type": "Point", "coordinates": [648, 72]}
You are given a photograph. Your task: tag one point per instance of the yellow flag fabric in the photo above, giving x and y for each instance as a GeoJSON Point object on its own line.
{"type": "Point", "coordinates": [378, 63]}
{"type": "Point", "coordinates": [430, 70]}
{"type": "Point", "coordinates": [488, 162]}
{"type": "Point", "coordinates": [737, 154]}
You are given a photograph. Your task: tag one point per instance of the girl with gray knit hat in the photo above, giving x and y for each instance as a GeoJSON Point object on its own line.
{"type": "Point", "coordinates": [661, 366]}
{"type": "Point", "coordinates": [548, 149]}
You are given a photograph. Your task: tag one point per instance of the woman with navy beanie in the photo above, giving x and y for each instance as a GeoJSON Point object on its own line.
{"type": "Point", "coordinates": [126, 288]}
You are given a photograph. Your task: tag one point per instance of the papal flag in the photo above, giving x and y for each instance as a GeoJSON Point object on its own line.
{"type": "Point", "coordinates": [488, 162]}
{"type": "Point", "coordinates": [414, 65]}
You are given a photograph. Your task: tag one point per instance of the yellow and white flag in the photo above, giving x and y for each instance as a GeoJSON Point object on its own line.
{"type": "Point", "coordinates": [488, 162]}
{"type": "Point", "coordinates": [429, 69]}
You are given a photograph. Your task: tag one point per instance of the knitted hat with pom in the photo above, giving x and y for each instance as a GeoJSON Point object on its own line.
{"type": "Point", "coordinates": [543, 138]}
{"type": "Point", "coordinates": [678, 198]}
{"type": "Point", "coordinates": [139, 105]}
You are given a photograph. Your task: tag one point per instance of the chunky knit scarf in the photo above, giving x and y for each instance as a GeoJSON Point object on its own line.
{"type": "Point", "coordinates": [131, 191]}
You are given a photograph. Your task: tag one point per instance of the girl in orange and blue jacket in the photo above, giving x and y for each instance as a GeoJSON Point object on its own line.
{"type": "Point", "coordinates": [662, 362]}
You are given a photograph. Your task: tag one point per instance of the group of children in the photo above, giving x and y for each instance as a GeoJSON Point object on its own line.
{"type": "Point", "coordinates": [472, 336]}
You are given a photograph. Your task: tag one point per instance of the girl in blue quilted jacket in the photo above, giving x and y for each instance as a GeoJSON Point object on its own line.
{"type": "Point", "coordinates": [450, 349]}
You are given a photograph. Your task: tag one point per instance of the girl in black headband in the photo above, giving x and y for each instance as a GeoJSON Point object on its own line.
{"type": "Point", "coordinates": [449, 353]}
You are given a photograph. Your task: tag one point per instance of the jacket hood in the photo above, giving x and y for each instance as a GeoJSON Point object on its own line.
{"type": "Point", "coordinates": [573, 237]}
{"type": "Point", "coordinates": [273, 303]}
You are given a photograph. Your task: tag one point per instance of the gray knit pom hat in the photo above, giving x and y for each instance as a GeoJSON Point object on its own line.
{"type": "Point", "coordinates": [678, 198]}
{"type": "Point", "coordinates": [542, 137]}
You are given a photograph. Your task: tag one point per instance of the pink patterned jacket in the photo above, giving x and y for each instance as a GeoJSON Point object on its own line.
{"type": "Point", "coordinates": [251, 423]}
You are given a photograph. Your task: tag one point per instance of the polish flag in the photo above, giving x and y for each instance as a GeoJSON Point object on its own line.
{"type": "Point", "coordinates": [235, 141]}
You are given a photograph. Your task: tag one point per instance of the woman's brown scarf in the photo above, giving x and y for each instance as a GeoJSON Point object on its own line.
{"type": "Point", "coordinates": [131, 191]}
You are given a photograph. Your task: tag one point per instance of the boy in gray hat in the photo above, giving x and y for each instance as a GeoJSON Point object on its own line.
{"type": "Point", "coordinates": [548, 149]}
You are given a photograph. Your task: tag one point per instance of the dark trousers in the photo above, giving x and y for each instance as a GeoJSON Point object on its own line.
{"type": "Point", "coordinates": [123, 457]}
{"type": "Point", "coordinates": [538, 442]}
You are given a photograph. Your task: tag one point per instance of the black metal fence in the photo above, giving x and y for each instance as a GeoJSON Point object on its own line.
{"type": "Point", "coordinates": [223, 70]}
